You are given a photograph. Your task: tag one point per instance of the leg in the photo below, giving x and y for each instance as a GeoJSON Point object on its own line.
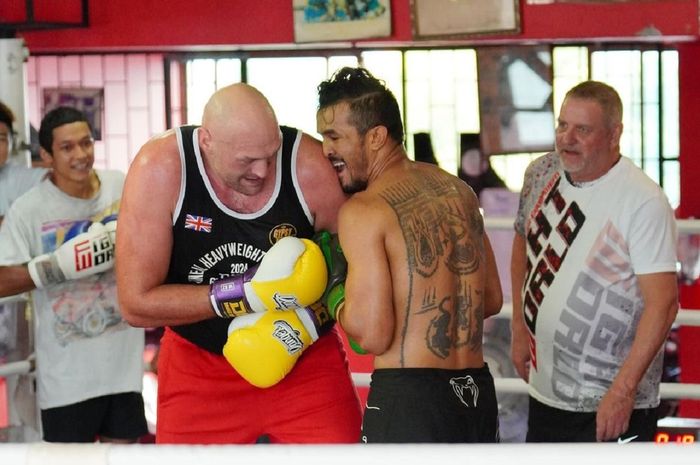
{"type": "Point", "coordinates": [201, 399]}
{"type": "Point", "coordinates": [316, 402]}
{"type": "Point", "coordinates": [75, 422]}
{"type": "Point", "coordinates": [125, 421]}
{"type": "Point", "coordinates": [548, 424]}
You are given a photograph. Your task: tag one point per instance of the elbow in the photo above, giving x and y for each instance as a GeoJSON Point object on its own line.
{"type": "Point", "coordinates": [493, 309]}
{"type": "Point", "coordinates": [132, 313]}
{"type": "Point", "coordinates": [376, 340]}
{"type": "Point", "coordinates": [372, 342]}
{"type": "Point", "coordinates": [493, 304]}
{"type": "Point", "coordinates": [371, 345]}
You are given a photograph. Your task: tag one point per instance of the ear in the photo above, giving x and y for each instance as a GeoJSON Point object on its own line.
{"type": "Point", "coordinates": [46, 157]}
{"type": "Point", "coordinates": [616, 135]}
{"type": "Point", "coordinates": [204, 138]}
{"type": "Point", "coordinates": [377, 137]}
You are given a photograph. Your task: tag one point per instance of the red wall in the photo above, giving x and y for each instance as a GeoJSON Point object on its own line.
{"type": "Point", "coordinates": [184, 23]}
{"type": "Point", "coordinates": [689, 70]}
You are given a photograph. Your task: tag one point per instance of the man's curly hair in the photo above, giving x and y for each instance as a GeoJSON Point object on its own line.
{"type": "Point", "coordinates": [371, 102]}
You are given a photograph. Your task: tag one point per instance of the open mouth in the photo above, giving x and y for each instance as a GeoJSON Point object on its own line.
{"type": "Point", "coordinates": [338, 165]}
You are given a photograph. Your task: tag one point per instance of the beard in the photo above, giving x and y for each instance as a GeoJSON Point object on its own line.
{"type": "Point", "coordinates": [354, 186]}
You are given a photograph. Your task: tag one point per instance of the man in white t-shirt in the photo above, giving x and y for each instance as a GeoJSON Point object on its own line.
{"type": "Point", "coordinates": [595, 258]}
{"type": "Point", "coordinates": [57, 242]}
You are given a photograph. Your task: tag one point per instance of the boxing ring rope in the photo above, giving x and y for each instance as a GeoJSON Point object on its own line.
{"type": "Point", "coordinates": [353, 454]}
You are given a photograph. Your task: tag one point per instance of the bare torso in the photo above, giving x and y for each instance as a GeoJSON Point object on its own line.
{"type": "Point", "coordinates": [433, 246]}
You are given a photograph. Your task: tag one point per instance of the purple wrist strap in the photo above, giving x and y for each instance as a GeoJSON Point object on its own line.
{"type": "Point", "coordinates": [227, 296]}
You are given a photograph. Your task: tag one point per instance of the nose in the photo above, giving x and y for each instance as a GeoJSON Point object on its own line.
{"type": "Point", "coordinates": [327, 150]}
{"type": "Point", "coordinates": [259, 168]}
{"type": "Point", "coordinates": [566, 136]}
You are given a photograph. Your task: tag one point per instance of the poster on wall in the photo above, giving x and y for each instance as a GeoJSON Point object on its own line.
{"type": "Point", "coordinates": [436, 19]}
{"type": "Point", "coordinates": [88, 100]}
{"type": "Point", "coordinates": [515, 99]}
{"type": "Point", "coordinates": [329, 20]}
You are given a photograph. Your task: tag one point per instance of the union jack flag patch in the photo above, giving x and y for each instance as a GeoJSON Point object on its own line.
{"type": "Point", "coordinates": [198, 223]}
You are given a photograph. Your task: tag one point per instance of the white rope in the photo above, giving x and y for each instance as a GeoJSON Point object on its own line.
{"type": "Point", "coordinates": [518, 386]}
{"type": "Point", "coordinates": [685, 317]}
{"type": "Point", "coordinates": [15, 368]}
{"type": "Point", "coordinates": [351, 454]}
{"type": "Point", "coordinates": [684, 226]}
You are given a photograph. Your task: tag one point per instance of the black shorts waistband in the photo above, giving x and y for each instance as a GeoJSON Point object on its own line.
{"type": "Point", "coordinates": [387, 375]}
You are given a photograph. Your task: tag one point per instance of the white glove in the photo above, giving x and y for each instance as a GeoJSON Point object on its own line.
{"type": "Point", "coordinates": [84, 255]}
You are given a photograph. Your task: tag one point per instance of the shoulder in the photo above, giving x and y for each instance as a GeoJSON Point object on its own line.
{"type": "Point", "coordinates": [364, 216]}
{"type": "Point", "coordinates": [31, 200]}
{"type": "Point", "coordinates": [309, 149]}
{"type": "Point", "coordinates": [544, 164]}
{"type": "Point", "coordinates": [637, 184]}
{"type": "Point", "coordinates": [22, 176]}
{"type": "Point", "coordinates": [312, 167]}
{"type": "Point", "coordinates": [161, 154]}
{"type": "Point", "coordinates": [111, 176]}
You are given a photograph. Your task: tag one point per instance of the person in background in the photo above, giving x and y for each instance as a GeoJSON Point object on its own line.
{"type": "Point", "coordinates": [475, 168]}
{"type": "Point", "coordinates": [202, 206]}
{"type": "Point", "coordinates": [423, 148]}
{"type": "Point", "coordinates": [15, 179]}
{"type": "Point", "coordinates": [421, 275]}
{"type": "Point", "coordinates": [596, 267]}
{"type": "Point", "coordinates": [57, 243]}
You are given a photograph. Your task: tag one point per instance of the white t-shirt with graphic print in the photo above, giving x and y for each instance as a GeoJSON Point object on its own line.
{"type": "Point", "coordinates": [582, 302]}
{"type": "Point", "coordinates": [84, 348]}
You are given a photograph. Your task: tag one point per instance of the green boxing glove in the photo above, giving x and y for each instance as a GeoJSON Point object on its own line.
{"type": "Point", "coordinates": [334, 295]}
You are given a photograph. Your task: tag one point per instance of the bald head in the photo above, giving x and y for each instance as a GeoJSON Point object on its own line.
{"type": "Point", "coordinates": [237, 110]}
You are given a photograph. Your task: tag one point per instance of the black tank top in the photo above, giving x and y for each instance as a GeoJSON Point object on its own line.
{"type": "Point", "coordinates": [211, 241]}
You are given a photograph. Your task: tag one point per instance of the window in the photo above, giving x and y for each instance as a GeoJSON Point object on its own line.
{"type": "Point", "coordinates": [437, 93]}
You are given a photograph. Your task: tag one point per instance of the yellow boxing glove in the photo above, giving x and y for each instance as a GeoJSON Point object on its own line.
{"type": "Point", "coordinates": [291, 275]}
{"type": "Point", "coordinates": [264, 347]}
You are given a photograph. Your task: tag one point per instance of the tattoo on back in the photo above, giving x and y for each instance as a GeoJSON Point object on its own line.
{"type": "Point", "coordinates": [439, 228]}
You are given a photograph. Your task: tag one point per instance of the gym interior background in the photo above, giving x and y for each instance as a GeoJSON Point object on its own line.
{"type": "Point", "coordinates": [151, 65]}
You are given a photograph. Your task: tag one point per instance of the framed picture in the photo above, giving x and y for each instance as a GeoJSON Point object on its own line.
{"type": "Point", "coordinates": [88, 100]}
{"type": "Point", "coordinates": [435, 19]}
{"type": "Point", "coordinates": [323, 21]}
{"type": "Point", "coordinates": [515, 99]}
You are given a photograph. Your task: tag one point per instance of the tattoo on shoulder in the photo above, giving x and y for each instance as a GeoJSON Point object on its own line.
{"type": "Point", "coordinates": [436, 225]}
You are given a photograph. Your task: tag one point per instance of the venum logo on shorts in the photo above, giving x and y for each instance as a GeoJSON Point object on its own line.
{"type": "Point", "coordinates": [288, 336]}
{"type": "Point", "coordinates": [466, 390]}
{"type": "Point", "coordinates": [280, 231]}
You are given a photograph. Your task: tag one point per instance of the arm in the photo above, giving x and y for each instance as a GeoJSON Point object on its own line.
{"type": "Point", "coordinates": [660, 294]}
{"type": "Point", "coordinates": [319, 184]}
{"type": "Point", "coordinates": [144, 241]}
{"type": "Point", "coordinates": [368, 315]}
{"type": "Point", "coordinates": [493, 295]}
{"type": "Point", "coordinates": [15, 280]}
{"type": "Point", "coordinates": [519, 342]}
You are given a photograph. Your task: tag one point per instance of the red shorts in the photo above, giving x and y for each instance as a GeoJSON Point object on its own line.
{"type": "Point", "coordinates": [203, 400]}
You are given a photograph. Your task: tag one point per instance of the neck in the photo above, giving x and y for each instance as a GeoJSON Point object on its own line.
{"type": "Point", "coordinates": [80, 190]}
{"type": "Point", "coordinates": [384, 162]}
